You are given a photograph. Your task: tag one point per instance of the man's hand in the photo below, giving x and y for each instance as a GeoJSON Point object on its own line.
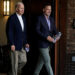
{"type": "Point", "coordinates": [50, 39]}
{"type": "Point", "coordinates": [27, 47]}
{"type": "Point", "coordinates": [57, 38]}
{"type": "Point", "coordinates": [13, 47]}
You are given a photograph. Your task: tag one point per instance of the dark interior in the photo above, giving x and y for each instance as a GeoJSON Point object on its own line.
{"type": "Point", "coordinates": [33, 8]}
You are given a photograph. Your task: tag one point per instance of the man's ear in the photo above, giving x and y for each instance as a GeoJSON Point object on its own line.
{"type": "Point", "coordinates": [16, 9]}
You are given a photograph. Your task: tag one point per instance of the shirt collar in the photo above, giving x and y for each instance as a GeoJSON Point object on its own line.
{"type": "Point", "coordinates": [46, 17]}
{"type": "Point", "coordinates": [18, 15]}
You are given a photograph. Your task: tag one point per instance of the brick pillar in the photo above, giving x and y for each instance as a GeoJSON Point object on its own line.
{"type": "Point", "coordinates": [70, 39]}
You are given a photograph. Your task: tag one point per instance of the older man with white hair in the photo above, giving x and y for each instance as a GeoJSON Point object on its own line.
{"type": "Point", "coordinates": [17, 38]}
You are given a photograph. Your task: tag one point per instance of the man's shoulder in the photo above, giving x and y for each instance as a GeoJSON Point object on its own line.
{"type": "Point", "coordinates": [13, 15]}
{"type": "Point", "coordinates": [40, 17]}
{"type": "Point", "coordinates": [24, 17]}
{"type": "Point", "coordinates": [51, 17]}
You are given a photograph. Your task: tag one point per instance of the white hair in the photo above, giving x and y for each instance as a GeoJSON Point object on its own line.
{"type": "Point", "coordinates": [18, 3]}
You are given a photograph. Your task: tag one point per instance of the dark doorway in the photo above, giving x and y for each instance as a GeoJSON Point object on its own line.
{"type": "Point", "coordinates": [33, 8]}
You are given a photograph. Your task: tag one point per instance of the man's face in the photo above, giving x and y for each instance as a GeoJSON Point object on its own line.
{"type": "Point", "coordinates": [20, 9]}
{"type": "Point", "coordinates": [47, 10]}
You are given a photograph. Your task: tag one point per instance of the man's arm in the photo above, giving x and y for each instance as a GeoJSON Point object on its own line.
{"type": "Point", "coordinates": [54, 27]}
{"type": "Point", "coordinates": [38, 27]}
{"type": "Point", "coordinates": [11, 33]}
{"type": "Point", "coordinates": [25, 36]}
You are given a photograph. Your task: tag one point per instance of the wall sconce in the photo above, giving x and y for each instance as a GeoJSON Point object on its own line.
{"type": "Point", "coordinates": [6, 7]}
{"type": "Point", "coordinates": [73, 25]}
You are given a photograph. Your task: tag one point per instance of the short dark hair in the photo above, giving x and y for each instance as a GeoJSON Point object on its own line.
{"type": "Point", "coordinates": [46, 4]}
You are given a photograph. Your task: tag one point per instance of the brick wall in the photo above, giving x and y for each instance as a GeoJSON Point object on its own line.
{"type": "Point", "coordinates": [70, 30]}
{"type": "Point", "coordinates": [70, 47]}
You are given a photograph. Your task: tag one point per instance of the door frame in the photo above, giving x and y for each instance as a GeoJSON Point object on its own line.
{"type": "Point", "coordinates": [60, 47]}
